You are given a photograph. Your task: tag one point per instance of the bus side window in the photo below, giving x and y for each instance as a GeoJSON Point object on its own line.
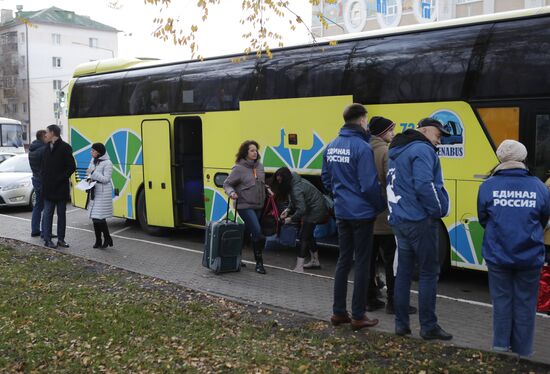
{"type": "Point", "coordinates": [501, 123]}
{"type": "Point", "coordinates": [542, 146]}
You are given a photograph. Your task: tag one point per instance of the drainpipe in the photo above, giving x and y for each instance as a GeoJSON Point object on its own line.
{"type": "Point", "coordinates": [29, 136]}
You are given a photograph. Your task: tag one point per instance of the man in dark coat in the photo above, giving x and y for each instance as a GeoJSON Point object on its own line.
{"type": "Point", "coordinates": [57, 167]}
{"type": "Point", "coordinates": [36, 150]}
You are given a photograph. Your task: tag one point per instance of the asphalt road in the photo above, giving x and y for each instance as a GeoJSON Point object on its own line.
{"type": "Point", "coordinates": [460, 284]}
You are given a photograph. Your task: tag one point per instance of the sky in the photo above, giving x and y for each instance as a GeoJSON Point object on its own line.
{"type": "Point", "coordinates": [219, 35]}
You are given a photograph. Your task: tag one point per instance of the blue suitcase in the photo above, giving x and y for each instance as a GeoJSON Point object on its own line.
{"type": "Point", "coordinates": [223, 245]}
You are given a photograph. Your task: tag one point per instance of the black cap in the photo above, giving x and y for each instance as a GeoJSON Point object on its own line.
{"type": "Point", "coordinates": [380, 125]}
{"type": "Point", "coordinates": [427, 122]}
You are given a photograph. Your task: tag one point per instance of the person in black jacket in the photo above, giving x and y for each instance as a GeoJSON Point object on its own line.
{"type": "Point", "coordinates": [36, 150]}
{"type": "Point", "coordinates": [57, 167]}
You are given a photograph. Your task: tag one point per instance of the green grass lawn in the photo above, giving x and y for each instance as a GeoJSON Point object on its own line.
{"type": "Point", "coordinates": [64, 314]}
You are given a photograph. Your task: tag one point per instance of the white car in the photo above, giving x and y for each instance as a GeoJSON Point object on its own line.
{"type": "Point", "coordinates": [5, 155]}
{"type": "Point", "coordinates": [16, 182]}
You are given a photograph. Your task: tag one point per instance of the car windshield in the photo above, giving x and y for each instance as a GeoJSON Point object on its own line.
{"type": "Point", "coordinates": [16, 164]}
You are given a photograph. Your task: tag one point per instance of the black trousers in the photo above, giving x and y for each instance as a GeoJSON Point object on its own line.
{"type": "Point", "coordinates": [383, 246]}
{"type": "Point", "coordinates": [307, 241]}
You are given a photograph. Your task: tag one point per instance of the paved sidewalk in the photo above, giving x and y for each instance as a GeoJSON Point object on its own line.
{"type": "Point", "coordinates": [469, 322]}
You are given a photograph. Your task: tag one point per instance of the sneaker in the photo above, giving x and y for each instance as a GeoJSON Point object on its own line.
{"type": "Point", "coordinates": [374, 304]}
{"type": "Point", "coordinates": [62, 244]}
{"type": "Point", "coordinates": [437, 333]}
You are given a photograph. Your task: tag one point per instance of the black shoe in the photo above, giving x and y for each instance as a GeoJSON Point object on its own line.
{"type": "Point", "coordinates": [436, 334]}
{"type": "Point", "coordinates": [35, 234]}
{"type": "Point", "coordinates": [374, 304]}
{"type": "Point", "coordinates": [62, 244]}
{"type": "Point", "coordinates": [53, 236]}
{"type": "Point", "coordinates": [243, 265]}
{"type": "Point", "coordinates": [97, 244]}
{"type": "Point", "coordinates": [260, 268]}
{"type": "Point", "coordinates": [107, 243]}
{"type": "Point", "coordinates": [403, 332]}
{"type": "Point", "coordinates": [50, 244]}
{"type": "Point", "coordinates": [390, 309]}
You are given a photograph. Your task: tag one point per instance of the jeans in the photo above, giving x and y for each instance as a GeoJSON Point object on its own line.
{"type": "Point", "coordinates": [307, 241]}
{"type": "Point", "coordinates": [251, 218]}
{"type": "Point", "coordinates": [417, 241]}
{"type": "Point", "coordinates": [514, 296]}
{"type": "Point", "coordinates": [354, 237]}
{"type": "Point", "coordinates": [47, 220]}
{"type": "Point", "coordinates": [36, 220]}
{"type": "Point", "coordinates": [383, 246]}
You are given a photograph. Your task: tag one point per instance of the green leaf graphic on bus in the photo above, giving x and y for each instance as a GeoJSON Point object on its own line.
{"type": "Point", "coordinates": [279, 156]}
{"type": "Point", "coordinates": [124, 150]}
{"type": "Point", "coordinates": [466, 240]}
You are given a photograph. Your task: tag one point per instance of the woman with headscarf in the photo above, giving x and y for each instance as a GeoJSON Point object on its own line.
{"type": "Point", "coordinates": [513, 206]}
{"type": "Point", "coordinates": [100, 205]}
{"type": "Point", "coordinates": [307, 207]}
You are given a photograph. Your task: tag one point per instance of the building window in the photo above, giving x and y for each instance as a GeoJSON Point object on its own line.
{"type": "Point", "coordinates": [56, 84]}
{"type": "Point", "coordinates": [14, 108]}
{"type": "Point", "coordinates": [24, 107]}
{"type": "Point", "coordinates": [6, 108]}
{"type": "Point", "coordinates": [56, 62]}
{"type": "Point", "coordinates": [388, 12]}
{"type": "Point", "coordinates": [56, 38]}
{"type": "Point", "coordinates": [22, 37]}
{"type": "Point", "coordinates": [425, 10]}
{"type": "Point", "coordinates": [92, 42]}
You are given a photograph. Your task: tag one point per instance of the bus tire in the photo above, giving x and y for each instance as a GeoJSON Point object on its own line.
{"type": "Point", "coordinates": [444, 249]}
{"type": "Point", "coordinates": [142, 217]}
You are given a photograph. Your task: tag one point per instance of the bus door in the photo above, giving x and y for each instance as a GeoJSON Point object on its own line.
{"type": "Point", "coordinates": [188, 157]}
{"type": "Point", "coordinates": [157, 172]}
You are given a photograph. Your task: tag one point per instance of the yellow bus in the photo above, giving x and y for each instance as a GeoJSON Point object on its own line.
{"type": "Point", "coordinates": [172, 129]}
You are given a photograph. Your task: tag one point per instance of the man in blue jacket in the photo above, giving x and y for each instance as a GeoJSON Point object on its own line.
{"type": "Point", "coordinates": [416, 202]}
{"type": "Point", "coordinates": [36, 151]}
{"type": "Point", "coordinates": [350, 174]}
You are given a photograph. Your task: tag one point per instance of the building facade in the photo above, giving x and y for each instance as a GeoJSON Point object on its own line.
{"type": "Point", "coordinates": [40, 50]}
{"type": "Point", "coordinates": [350, 16]}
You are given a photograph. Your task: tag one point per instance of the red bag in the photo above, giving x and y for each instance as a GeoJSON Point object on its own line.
{"type": "Point", "coordinates": [269, 221]}
{"type": "Point", "coordinates": [543, 304]}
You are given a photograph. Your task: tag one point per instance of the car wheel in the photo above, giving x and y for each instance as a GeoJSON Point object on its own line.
{"type": "Point", "coordinates": [32, 200]}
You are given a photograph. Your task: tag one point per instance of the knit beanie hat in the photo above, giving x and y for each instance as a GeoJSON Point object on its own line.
{"type": "Point", "coordinates": [511, 150]}
{"type": "Point", "coordinates": [379, 126]}
{"type": "Point", "coordinates": [99, 148]}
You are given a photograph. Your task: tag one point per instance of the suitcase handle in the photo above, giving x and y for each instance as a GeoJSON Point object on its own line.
{"type": "Point", "coordinates": [227, 214]}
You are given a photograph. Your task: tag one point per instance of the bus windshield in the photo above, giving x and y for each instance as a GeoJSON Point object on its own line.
{"type": "Point", "coordinates": [11, 135]}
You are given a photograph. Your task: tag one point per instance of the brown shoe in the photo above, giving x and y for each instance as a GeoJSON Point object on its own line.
{"type": "Point", "coordinates": [338, 320]}
{"type": "Point", "coordinates": [362, 323]}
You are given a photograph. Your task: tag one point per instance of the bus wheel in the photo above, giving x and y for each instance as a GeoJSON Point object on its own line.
{"type": "Point", "coordinates": [142, 217]}
{"type": "Point", "coordinates": [444, 249]}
